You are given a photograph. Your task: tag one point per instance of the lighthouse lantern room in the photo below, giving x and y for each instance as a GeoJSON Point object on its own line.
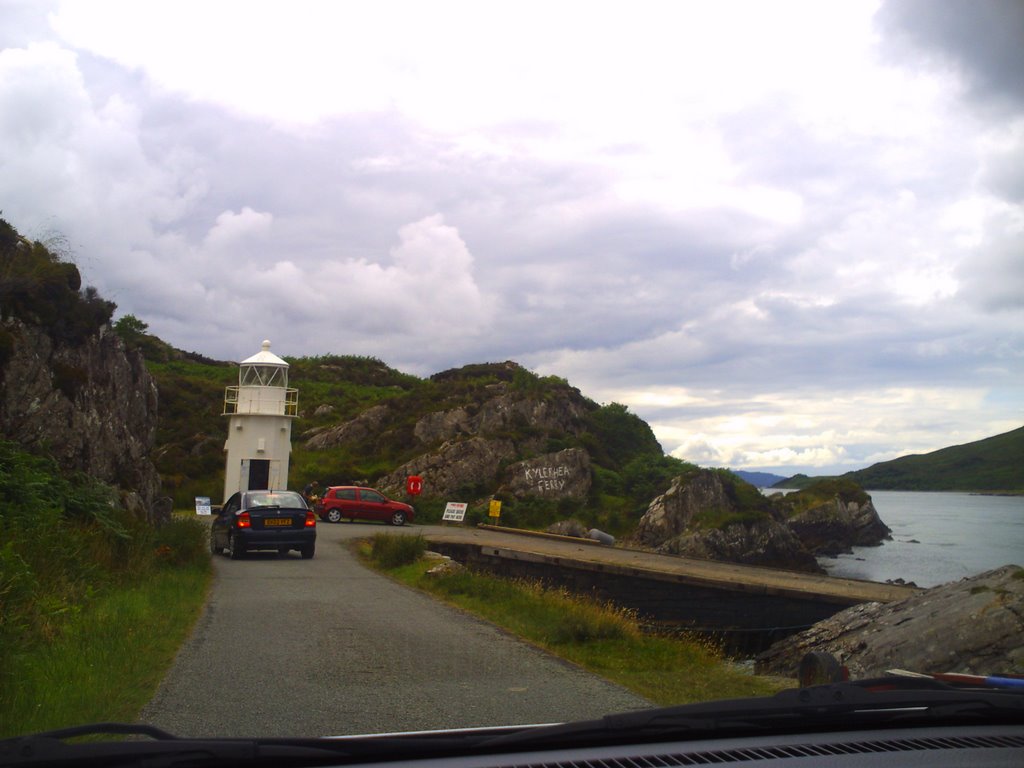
{"type": "Point", "coordinates": [260, 411]}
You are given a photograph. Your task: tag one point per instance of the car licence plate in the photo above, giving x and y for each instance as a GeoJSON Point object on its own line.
{"type": "Point", "coordinates": [276, 521]}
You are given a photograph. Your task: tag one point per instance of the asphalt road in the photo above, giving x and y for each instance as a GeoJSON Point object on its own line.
{"type": "Point", "coordinates": [292, 647]}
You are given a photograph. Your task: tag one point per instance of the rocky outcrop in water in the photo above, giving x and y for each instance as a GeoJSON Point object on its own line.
{"type": "Point", "coordinates": [836, 525]}
{"type": "Point", "coordinates": [761, 542]}
{"type": "Point", "coordinates": [717, 516]}
{"type": "Point", "coordinates": [973, 626]}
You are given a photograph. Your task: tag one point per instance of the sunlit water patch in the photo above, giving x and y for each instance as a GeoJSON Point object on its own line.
{"type": "Point", "coordinates": [938, 537]}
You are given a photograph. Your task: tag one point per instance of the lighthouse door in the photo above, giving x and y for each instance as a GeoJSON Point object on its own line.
{"type": "Point", "coordinates": [259, 474]}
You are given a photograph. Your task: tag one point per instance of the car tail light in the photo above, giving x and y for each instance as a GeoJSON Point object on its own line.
{"type": "Point", "coordinates": [310, 520]}
{"type": "Point", "coordinates": [244, 521]}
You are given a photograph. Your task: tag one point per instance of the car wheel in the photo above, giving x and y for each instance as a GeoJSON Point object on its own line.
{"type": "Point", "coordinates": [308, 551]}
{"type": "Point", "coordinates": [398, 518]}
{"type": "Point", "coordinates": [235, 552]}
{"type": "Point", "coordinates": [334, 515]}
{"type": "Point", "coordinates": [214, 549]}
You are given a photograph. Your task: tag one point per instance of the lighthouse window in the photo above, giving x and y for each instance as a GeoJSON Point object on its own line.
{"type": "Point", "coordinates": [263, 376]}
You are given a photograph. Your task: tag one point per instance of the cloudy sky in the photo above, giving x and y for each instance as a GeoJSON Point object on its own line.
{"type": "Point", "coordinates": [789, 235]}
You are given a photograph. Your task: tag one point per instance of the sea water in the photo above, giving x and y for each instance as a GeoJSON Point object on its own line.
{"type": "Point", "coordinates": [937, 537]}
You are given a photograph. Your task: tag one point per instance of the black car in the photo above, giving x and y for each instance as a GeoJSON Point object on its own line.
{"type": "Point", "coordinates": [275, 520]}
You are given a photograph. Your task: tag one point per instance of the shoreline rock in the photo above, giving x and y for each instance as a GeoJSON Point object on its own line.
{"type": "Point", "coordinates": [973, 626]}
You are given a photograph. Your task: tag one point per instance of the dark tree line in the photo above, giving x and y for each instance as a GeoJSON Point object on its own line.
{"type": "Point", "coordinates": [37, 287]}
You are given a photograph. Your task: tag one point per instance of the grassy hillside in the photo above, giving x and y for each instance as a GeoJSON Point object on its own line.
{"type": "Point", "coordinates": [628, 467]}
{"type": "Point", "coordinates": [993, 464]}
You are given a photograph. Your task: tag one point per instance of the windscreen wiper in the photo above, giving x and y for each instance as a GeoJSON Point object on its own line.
{"type": "Point", "coordinates": [160, 748]}
{"type": "Point", "coordinates": [50, 747]}
{"type": "Point", "coordinates": [872, 703]}
{"type": "Point", "coordinates": [847, 705]}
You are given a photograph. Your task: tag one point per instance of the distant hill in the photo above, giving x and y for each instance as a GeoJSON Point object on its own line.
{"type": "Point", "coordinates": [993, 464]}
{"type": "Point", "coordinates": [800, 481]}
{"type": "Point", "coordinates": [758, 479]}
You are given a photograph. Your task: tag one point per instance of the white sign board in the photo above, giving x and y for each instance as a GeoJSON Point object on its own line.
{"type": "Point", "coordinates": [455, 511]}
{"type": "Point", "coordinates": [202, 505]}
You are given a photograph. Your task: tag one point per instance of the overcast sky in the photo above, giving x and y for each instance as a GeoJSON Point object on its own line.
{"type": "Point", "coordinates": [789, 235]}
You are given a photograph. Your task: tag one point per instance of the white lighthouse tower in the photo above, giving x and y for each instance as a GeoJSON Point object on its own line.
{"type": "Point", "coordinates": [261, 410]}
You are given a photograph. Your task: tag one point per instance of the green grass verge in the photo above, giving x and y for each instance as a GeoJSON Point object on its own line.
{"type": "Point", "coordinates": [94, 600]}
{"type": "Point", "coordinates": [105, 659]}
{"type": "Point", "coordinates": [599, 637]}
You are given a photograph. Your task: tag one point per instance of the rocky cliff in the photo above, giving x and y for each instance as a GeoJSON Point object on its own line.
{"type": "Point", "coordinates": [675, 512]}
{"type": "Point", "coordinates": [457, 466]}
{"type": "Point", "coordinates": [355, 430]}
{"type": "Point", "coordinates": [974, 626]}
{"type": "Point", "coordinates": [560, 475]}
{"type": "Point", "coordinates": [503, 411]}
{"type": "Point", "coordinates": [493, 444]}
{"type": "Point", "coordinates": [89, 404]}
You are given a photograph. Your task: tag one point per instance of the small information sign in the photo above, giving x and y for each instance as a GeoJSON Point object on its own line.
{"type": "Point", "coordinates": [202, 505]}
{"type": "Point", "coordinates": [455, 511]}
{"type": "Point", "coordinates": [495, 508]}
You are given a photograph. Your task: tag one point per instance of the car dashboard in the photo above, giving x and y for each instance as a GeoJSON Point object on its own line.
{"type": "Point", "coordinates": [978, 746]}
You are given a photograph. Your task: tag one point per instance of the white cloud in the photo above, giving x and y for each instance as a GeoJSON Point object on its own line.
{"type": "Point", "coordinates": [794, 432]}
{"type": "Point", "coordinates": [77, 165]}
{"type": "Point", "coordinates": [427, 293]}
{"type": "Point", "coordinates": [231, 228]}
{"type": "Point", "coordinates": [737, 217]}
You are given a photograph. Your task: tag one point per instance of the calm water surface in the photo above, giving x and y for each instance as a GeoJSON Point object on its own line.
{"type": "Point", "coordinates": [938, 537]}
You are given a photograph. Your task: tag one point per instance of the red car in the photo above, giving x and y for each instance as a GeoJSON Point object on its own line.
{"type": "Point", "coordinates": [356, 503]}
